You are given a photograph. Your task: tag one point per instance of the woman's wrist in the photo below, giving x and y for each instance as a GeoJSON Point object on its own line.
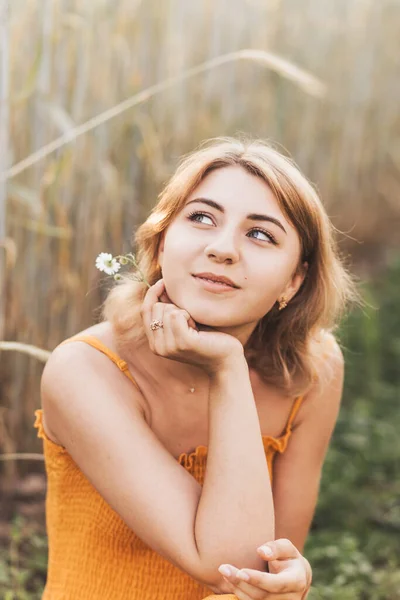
{"type": "Point", "coordinates": [231, 366]}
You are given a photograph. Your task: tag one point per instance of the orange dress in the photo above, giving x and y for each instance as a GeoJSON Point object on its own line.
{"type": "Point", "coordinates": [93, 554]}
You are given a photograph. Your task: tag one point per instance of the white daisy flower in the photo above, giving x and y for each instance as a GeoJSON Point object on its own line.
{"type": "Point", "coordinates": [105, 262]}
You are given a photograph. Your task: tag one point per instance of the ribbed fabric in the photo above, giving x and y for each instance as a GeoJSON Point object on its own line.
{"type": "Point", "coordinates": [93, 555]}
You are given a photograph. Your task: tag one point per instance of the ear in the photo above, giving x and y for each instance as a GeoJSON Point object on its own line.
{"type": "Point", "coordinates": [294, 285]}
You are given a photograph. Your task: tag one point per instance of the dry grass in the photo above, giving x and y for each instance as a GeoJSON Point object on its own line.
{"type": "Point", "coordinates": [98, 101]}
{"type": "Point", "coordinates": [41, 355]}
{"type": "Point", "coordinates": [304, 80]}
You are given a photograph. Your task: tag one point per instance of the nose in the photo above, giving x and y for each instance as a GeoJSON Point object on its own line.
{"type": "Point", "coordinates": [222, 247]}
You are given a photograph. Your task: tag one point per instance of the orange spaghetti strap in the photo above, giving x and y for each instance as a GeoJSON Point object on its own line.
{"type": "Point", "coordinates": [96, 343]}
{"type": "Point", "coordinates": [293, 412]}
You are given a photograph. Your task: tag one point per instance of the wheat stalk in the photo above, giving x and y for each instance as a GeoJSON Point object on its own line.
{"type": "Point", "coordinates": [302, 78]}
{"type": "Point", "coordinates": [34, 351]}
{"type": "Point", "coordinates": [21, 456]}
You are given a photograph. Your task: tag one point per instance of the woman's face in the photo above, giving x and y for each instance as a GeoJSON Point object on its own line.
{"type": "Point", "coordinates": [259, 255]}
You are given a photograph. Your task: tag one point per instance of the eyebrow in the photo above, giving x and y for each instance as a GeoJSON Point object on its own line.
{"type": "Point", "coordinates": [251, 216]}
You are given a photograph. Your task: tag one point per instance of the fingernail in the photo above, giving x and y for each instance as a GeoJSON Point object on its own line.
{"type": "Point", "coordinates": [266, 550]}
{"type": "Point", "coordinates": [224, 570]}
{"type": "Point", "coordinates": [243, 575]}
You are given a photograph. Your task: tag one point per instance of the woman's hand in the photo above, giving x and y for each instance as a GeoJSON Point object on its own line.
{"type": "Point", "coordinates": [180, 339]}
{"type": "Point", "coordinates": [289, 576]}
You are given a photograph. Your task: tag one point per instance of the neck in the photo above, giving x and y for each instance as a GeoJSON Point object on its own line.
{"type": "Point", "coordinates": [188, 375]}
{"type": "Point", "coordinates": [177, 373]}
{"type": "Point", "coordinates": [241, 332]}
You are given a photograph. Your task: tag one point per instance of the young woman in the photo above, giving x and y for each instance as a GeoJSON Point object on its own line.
{"type": "Point", "coordinates": [190, 426]}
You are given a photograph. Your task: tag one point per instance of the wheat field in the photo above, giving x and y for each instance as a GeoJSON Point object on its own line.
{"type": "Point", "coordinates": [100, 98]}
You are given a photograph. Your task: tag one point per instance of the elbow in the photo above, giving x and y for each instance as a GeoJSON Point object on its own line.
{"type": "Point", "coordinates": [217, 584]}
{"type": "Point", "coordinates": [207, 574]}
{"type": "Point", "coordinates": [213, 579]}
{"type": "Point", "coordinates": [239, 555]}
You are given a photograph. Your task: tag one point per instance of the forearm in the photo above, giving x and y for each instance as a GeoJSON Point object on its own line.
{"type": "Point", "coordinates": [235, 513]}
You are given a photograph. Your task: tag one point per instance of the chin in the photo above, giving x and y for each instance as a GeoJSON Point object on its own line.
{"type": "Point", "coordinates": [210, 314]}
{"type": "Point", "coordinates": [208, 323]}
{"type": "Point", "coordinates": [207, 317]}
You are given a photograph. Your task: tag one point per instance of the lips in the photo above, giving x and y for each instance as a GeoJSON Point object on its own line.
{"type": "Point", "coordinates": [216, 279]}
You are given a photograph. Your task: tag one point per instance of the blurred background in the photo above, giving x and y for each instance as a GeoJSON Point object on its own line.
{"type": "Point", "coordinates": [98, 100]}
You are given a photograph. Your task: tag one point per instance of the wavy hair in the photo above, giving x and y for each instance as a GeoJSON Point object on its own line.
{"type": "Point", "coordinates": [284, 346]}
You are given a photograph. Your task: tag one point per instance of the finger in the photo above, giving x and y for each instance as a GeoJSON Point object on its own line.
{"type": "Point", "coordinates": [173, 336]}
{"type": "Point", "coordinates": [192, 323]}
{"type": "Point", "coordinates": [290, 580]}
{"type": "Point", "coordinates": [164, 298]}
{"type": "Point", "coordinates": [245, 591]}
{"type": "Point", "coordinates": [241, 595]}
{"type": "Point", "coordinates": [241, 587]}
{"type": "Point", "coordinates": [157, 335]}
{"type": "Point", "coordinates": [179, 328]}
{"type": "Point", "coordinates": [281, 549]}
{"type": "Point", "coordinates": [151, 297]}
{"type": "Point", "coordinates": [175, 326]}
{"type": "Point", "coordinates": [190, 320]}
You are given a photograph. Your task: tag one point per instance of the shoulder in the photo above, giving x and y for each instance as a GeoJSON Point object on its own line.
{"type": "Point", "coordinates": [74, 356]}
{"type": "Point", "coordinates": [77, 372]}
{"type": "Point", "coordinates": [82, 354]}
{"type": "Point", "coordinates": [325, 393]}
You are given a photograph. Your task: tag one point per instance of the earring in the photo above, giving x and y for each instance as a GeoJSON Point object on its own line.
{"type": "Point", "coordinates": [282, 302]}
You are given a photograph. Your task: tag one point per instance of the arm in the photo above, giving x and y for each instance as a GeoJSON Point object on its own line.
{"type": "Point", "coordinates": [99, 418]}
{"type": "Point", "coordinates": [297, 475]}
{"type": "Point", "coordinates": [297, 472]}
{"type": "Point", "coordinates": [235, 513]}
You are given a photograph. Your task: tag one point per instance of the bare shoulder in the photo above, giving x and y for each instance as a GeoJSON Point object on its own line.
{"type": "Point", "coordinates": [78, 359]}
{"type": "Point", "coordinates": [102, 331]}
{"type": "Point", "coordinates": [324, 396]}
{"type": "Point", "coordinates": [77, 366]}
{"type": "Point", "coordinates": [95, 413]}
{"type": "Point", "coordinates": [300, 466]}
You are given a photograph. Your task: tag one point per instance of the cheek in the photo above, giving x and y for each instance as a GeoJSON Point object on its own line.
{"type": "Point", "coordinates": [264, 288]}
{"type": "Point", "coordinates": [261, 302]}
{"type": "Point", "coordinates": [244, 307]}
{"type": "Point", "coordinates": [177, 277]}
{"type": "Point", "coordinates": [179, 249]}
{"type": "Point", "coordinates": [268, 277]}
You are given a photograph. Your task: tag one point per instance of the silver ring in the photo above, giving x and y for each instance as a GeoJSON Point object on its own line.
{"type": "Point", "coordinates": [156, 324]}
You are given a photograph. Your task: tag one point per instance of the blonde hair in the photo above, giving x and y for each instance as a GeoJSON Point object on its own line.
{"type": "Point", "coordinates": [281, 346]}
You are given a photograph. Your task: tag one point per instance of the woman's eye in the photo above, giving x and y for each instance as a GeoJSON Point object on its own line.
{"type": "Point", "coordinates": [197, 217]}
{"type": "Point", "coordinates": [194, 216]}
{"type": "Point", "coordinates": [265, 233]}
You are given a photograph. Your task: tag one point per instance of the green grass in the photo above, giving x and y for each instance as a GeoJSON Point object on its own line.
{"type": "Point", "coordinates": [23, 562]}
